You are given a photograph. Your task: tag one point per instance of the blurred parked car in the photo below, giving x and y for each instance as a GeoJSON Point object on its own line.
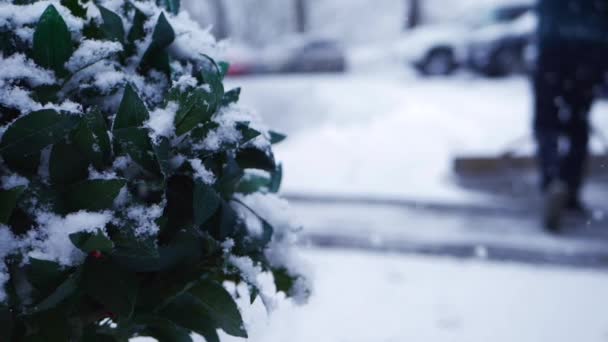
{"type": "Point", "coordinates": [504, 47]}
{"type": "Point", "coordinates": [491, 41]}
{"type": "Point", "coordinates": [316, 56]}
{"type": "Point", "coordinates": [296, 54]}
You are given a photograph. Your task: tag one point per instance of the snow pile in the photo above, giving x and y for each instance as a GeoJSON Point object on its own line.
{"type": "Point", "coordinates": [90, 52]}
{"type": "Point", "coordinates": [161, 121]}
{"type": "Point", "coordinates": [52, 240]}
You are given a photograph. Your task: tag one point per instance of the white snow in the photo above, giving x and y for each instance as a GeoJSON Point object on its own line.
{"type": "Point", "coordinates": [8, 244]}
{"type": "Point", "coordinates": [52, 242]}
{"type": "Point", "coordinates": [366, 297]}
{"type": "Point", "coordinates": [161, 121]}
{"type": "Point", "coordinates": [12, 181]}
{"type": "Point", "coordinates": [15, 16]}
{"type": "Point", "coordinates": [145, 218]}
{"type": "Point", "coordinates": [390, 134]}
{"type": "Point", "coordinates": [90, 52]}
{"type": "Point", "coordinates": [370, 298]}
{"type": "Point", "coordinates": [18, 66]}
{"type": "Point", "coordinates": [201, 173]}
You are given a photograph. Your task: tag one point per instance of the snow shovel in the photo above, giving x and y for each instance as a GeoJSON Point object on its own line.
{"type": "Point", "coordinates": [512, 173]}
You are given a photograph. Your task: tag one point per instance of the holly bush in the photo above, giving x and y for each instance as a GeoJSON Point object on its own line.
{"type": "Point", "coordinates": [125, 166]}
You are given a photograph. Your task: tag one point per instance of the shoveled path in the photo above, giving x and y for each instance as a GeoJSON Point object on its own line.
{"type": "Point", "coordinates": [500, 232]}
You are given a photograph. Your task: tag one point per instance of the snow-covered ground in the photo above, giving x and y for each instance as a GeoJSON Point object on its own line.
{"type": "Point", "coordinates": [389, 133]}
{"type": "Point", "coordinates": [362, 297]}
{"type": "Point", "coordinates": [389, 298]}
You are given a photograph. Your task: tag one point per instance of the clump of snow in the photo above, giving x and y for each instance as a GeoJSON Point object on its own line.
{"type": "Point", "coordinates": [190, 39]}
{"type": "Point", "coordinates": [13, 180]}
{"type": "Point", "coordinates": [184, 82]}
{"type": "Point", "coordinates": [17, 98]}
{"type": "Point", "coordinates": [106, 175]}
{"type": "Point", "coordinates": [145, 219]}
{"type": "Point", "coordinates": [16, 16]}
{"type": "Point", "coordinates": [252, 222]}
{"type": "Point", "coordinates": [52, 240]}
{"type": "Point", "coordinates": [7, 244]}
{"type": "Point", "coordinates": [19, 67]}
{"type": "Point", "coordinates": [200, 172]}
{"type": "Point", "coordinates": [90, 52]}
{"type": "Point", "coordinates": [254, 275]}
{"type": "Point", "coordinates": [161, 121]}
{"type": "Point", "coordinates": [277, 213]}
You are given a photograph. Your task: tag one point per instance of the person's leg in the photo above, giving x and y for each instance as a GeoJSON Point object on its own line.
{"type": "Point", "coordinates": [547, 89]}
{"type": "Point", "coordinates": [578, 96]}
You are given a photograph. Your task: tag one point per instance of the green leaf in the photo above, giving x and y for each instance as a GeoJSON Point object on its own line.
{"type": "Point", "coordinates": [111, 286]}
{"type": "Point", "coordinates": [163, 329]}
{"type": "Point", "coordinates": [137, 144]}
{"type": "Point", "coordinates": [137, 31]}
{"type": "Point", "coordinates": [231, 96]}
{"type": "Point", "coordinates": [132, 111]}
{"type": "Point", "coordinates": [67, 164]}
{"type": "Point", "coordinates": [6, 322]}
{"type": "Point", "coordinates": [220, 306]}
{"type": "Point", "coordinates": [92, 139]}
{"type": "Point", "coordinates": [8, 201]}
{"type": "Point", "coordinates": [44, 275]}
{"type": "Point", "coordinates": [224, 67]}
{"type": "Point", "coordinates": [93, 195]}
{"type": "Point", "coordinates": [75, 7]}
{"type": "Point", "coordinates": [187, 311]}
{"type": "Point", "coordinates": [63, 292]}
{"type": "Point", "coordinates": [252, 183]}
{"type": "Point", "coordinates": [156, 57]}
{"type": "Point", "coordinates": [112, 26]}
{"type": "Point", "coordinates": [195, 106]}
{"type": "Point", "coordinates": [171, 5]}
{"type": "Point", "coordinates": [276, 180]}
{"type": "Point", "coordinates": [163, 34]}
{"type": "Point", "coordinates": [52, 42]}
{"type": "Point", "coordinates": [247, 132]}
{"type": "Point", "coordinates": [25, 138]}
{"type": "Point", "coordinates": [276, 138]}
{"type": "Point", "coordinates": [206, 202]}
{"type": "Point", "coordinates": [162, 150]}
{"type": "Point", "coordinates": [253, 158]}
{"type": "Point", "coordinates": [89, 242]}
{"type": "Point", "coordinates": [230, 176]}
{"type": "Point", "coordinates": [283, 281]}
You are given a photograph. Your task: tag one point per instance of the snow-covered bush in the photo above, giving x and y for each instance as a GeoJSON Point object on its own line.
{"type": "Point", "coordinates": [132, 185]}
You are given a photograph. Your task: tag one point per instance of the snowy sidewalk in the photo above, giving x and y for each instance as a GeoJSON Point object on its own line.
{"type": "Point", "coordinates": [367, 297]}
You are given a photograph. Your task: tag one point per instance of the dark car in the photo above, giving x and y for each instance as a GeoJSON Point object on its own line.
{"type": "Point", "coordinates": [500, 49]}
{"type": "Point", "coordinates": [316, 56]}
{"type": "Point", "coordinates": [491, 40]}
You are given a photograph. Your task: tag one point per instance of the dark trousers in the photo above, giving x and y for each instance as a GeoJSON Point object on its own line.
{"type": "Point", "coordinates": [567, 79]}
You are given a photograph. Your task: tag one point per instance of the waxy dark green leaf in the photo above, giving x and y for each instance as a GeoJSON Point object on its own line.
{"type": "Point", "coordinates": [25, 138]}
{"type": "Point", "coordinates": [8, 201]}
{"type": "Point", "coordinates": [92, 241]}
{"type": "Point", "coordinates": [112, 26]}
{"type": "Point", "coordinates": [93, 195]}
{"type": "Point", "coordinates": [52, 42]}
{"type": "Point", "coordinates": [132, 111]}
{"type": "Point", "coordinates": [111, 286]}
{"type": "Point", "coordinates": [205, 202]}
{"type": "Point", "coordinates": [221, 307]}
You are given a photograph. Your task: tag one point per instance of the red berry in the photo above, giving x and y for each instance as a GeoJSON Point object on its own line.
{"type": "Point", "coordinates": [96, 255]}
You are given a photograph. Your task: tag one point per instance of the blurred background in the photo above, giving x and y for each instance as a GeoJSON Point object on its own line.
{"type": "Point", "coordinates": [410, 166]}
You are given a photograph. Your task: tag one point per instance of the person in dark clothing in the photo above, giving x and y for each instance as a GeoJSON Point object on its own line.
{"type": "Point", "coordinates": [572, 65]}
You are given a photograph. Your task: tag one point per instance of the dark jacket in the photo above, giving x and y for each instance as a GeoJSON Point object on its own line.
{"type": "Point", "coordinates": [573, 20]}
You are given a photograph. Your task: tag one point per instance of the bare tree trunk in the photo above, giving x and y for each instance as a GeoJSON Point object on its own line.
{"type": "Point", "coordinates": [220, 27]}
{"type": "Point", "coordinates": [413, 15]}
{"type": "Point", "coordinates": [301, 16]}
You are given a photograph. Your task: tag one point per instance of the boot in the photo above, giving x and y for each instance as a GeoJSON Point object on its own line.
{"type": "Point", "coordinates": [555, 203]}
